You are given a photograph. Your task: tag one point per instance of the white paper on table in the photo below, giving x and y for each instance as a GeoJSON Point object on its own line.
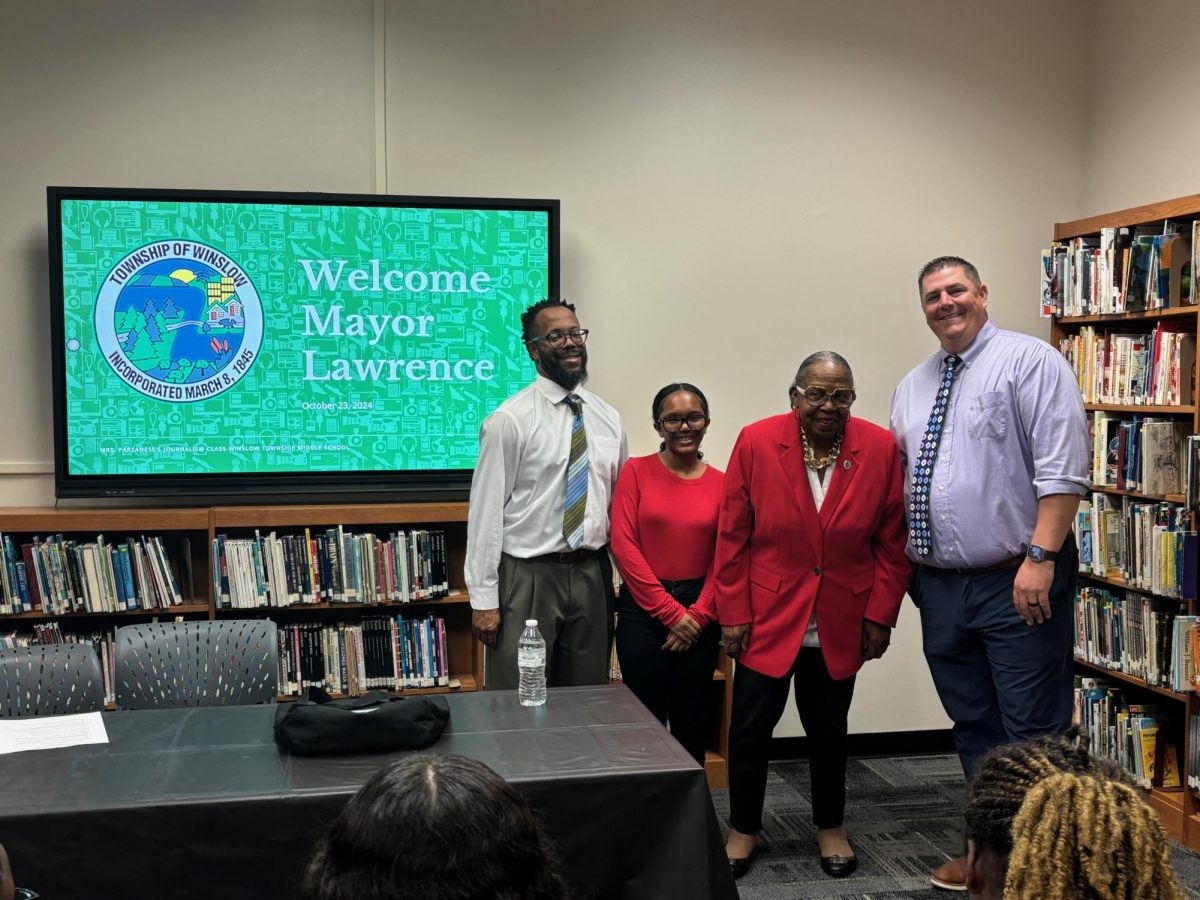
{"type": "Point", "coordinates": [48, 732]}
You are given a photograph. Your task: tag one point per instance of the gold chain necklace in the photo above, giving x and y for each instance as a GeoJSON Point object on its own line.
{"type": "Point", "coordinates": [812, 460]}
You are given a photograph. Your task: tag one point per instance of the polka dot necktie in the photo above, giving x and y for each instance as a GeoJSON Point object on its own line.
{"type": "Point", "coordinates": [918, 518]}
{"type": "Point", "coordinates": [577, 476]}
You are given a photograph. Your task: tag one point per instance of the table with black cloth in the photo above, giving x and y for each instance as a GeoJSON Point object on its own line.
{"type": "Point", "coordinates": [202, 803]}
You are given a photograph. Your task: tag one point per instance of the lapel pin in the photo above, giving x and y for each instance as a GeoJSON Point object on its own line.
{"type": "Point", "coordinates": [846, 465]}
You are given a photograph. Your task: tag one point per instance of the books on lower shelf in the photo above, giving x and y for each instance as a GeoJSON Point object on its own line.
{"type": "Point", "coordinates": [60, 575]}
{"type": "Point", "coordinates": [50, 633]}
{"type": "Point", "coordinates": [1138, 635]}
{"type": "Point", "coordinates": [1149, 545]}
{"type": "Point", "coordinates": [1153, 368]}
{"type": "Point", "coordinates": [1140, 737]}
{"type": "Point", "coordinates": [330, 566]}
{"type": "Point", "coordinates": [376, 653]}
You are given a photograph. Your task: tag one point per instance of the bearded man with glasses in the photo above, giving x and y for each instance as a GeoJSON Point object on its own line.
{"type": "Point", "coordinates": [810, 573]}
{"type": "Point", "coordinates": [538, 527]}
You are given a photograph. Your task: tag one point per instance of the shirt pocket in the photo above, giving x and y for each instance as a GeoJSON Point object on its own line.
{"type": "Point", "coordinates": [604, 455]}
{"type": "Point", "coordinates": [987, 416]}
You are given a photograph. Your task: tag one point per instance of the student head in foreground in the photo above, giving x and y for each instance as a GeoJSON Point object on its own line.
{"type": "Point", "coordinates": [435, 827]}
{"type": "Point", "coordinates": [1045, 819]}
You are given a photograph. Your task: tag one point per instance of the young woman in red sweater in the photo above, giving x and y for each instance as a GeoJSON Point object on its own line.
{"type": "Point", "coordinates": [664, 529]}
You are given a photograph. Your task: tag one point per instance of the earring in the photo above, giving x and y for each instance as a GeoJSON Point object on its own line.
{"type": "Point", "coordinates": [662, 445]}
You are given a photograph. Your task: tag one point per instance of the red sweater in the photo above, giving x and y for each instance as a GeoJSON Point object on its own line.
{"type": "Point", "coordinates": [664, 528]}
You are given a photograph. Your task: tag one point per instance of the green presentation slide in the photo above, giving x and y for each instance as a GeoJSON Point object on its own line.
{"type": "Point", "coordinates": [224, 337]}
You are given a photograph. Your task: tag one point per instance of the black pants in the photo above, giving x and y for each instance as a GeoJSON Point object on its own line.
{"type": "Point", "coordinates": [674, 686]}
{"type": "Point", "coordinates": [758, 702]}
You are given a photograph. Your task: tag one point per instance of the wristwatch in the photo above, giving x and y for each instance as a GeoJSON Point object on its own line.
{"type": "Point", "coordinates": [1041, 554]}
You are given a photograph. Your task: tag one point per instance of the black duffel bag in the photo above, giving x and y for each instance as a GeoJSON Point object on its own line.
{"type": "Point", "coordinates": [373, 722]}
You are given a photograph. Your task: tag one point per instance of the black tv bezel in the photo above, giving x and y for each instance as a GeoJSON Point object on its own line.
{"type": "Point", "coordinates": [206, 488]}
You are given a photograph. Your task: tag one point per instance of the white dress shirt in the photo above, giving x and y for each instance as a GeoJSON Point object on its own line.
{"type": "Point", "coordinates": [817, 483]}
{"type": "Point", "coordinates": [520, 483]}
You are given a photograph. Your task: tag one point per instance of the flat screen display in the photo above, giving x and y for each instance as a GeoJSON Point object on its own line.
{"type": "Point", "coordinates": [261, 343]}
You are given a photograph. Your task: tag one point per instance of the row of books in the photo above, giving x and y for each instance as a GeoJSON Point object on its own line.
{"type": "Point", "coordinates": [60, 575]}
{"type": "Point", "coordinates": [1155, 368]}
{"type": "Point", "coordinates": [1150, 545]}
{"type": "Point", "coordinates": [1121, 270]}
{"type": "Point", "coordinates": [1137, 454]}
{"type": "Point", "coordinates": [1193, 762]}
{"type": "Point", "coordinates": [1139, 736]}
{"type": "Point", "coordinates": [379, 652]}
{"type": "Point", "coordinates": [329, 567]}
{"type": "Point", "coordinates": [49, 633]}
{"type": "Point", "coordinates": [1136, 634]}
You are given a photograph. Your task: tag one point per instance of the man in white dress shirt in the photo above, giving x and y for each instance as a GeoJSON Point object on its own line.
{"type": "Point", "coordinates": [537, 533]}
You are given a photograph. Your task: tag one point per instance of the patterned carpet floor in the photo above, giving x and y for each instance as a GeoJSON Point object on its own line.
{"type": "Point", "coordinates": [904, 818]}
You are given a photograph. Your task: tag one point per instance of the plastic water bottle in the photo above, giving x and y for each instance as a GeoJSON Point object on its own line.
{"type": "Point", "coordinates": [531, 664]}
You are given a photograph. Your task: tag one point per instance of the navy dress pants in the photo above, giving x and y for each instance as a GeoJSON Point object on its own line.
{"type": "Point", "coordinates": [999, 680]}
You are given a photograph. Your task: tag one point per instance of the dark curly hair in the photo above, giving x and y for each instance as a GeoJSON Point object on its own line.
{"type": "Point", "coordinates": [1056, 823]}
{"type": "Point", "coordinates": [434, 827]}
{"type": "Point", "coordinates": [529, 317]}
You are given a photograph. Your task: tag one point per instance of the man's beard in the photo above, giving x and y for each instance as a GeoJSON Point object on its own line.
{"type": "Point", "coordinates": [553, 369]}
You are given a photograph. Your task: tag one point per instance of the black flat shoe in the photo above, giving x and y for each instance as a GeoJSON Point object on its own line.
{"type": "Point", "coordinates": [740, 866]}
{"type": "Point", "coordinates": [838, 866]}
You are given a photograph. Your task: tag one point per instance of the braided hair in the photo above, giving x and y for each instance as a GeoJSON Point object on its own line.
{"type": "Point", "coordinates": [1067, 826]}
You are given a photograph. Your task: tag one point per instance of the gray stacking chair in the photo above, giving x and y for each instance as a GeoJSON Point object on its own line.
{"type": "Point", "coordinates": [223, 663]}
{"type": "Point", "coordinates": [50, 680]}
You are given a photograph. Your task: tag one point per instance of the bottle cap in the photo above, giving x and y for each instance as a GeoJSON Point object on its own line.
{"type": "Point", "coordinates": [531, 623]}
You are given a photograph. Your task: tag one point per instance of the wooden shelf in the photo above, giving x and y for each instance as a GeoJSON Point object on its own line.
{"type": "Point", "coordinates": [1177, 809]}
{"type": "Point", "coordinates": [186, 608]}
{"type": "Point", "coordinates": [1180, 208]}
{"type": "Point", "coordinates": [1161, 498]}
{"type": "Point", "coordinates": [1130, 679]}
{"type": "Point", "coordinates": [111, 521]}
{"type": "Point", "coordinates": [1130, 408]}
{"type": "Point", "coordinates": [1149, 315]}
{"type": "Point", "coordinates": [1126, 586]}
{"type": "Point", "coordinates": [455, 600]}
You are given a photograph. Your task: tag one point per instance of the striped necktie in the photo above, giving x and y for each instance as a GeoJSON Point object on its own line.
{"type": "Point", "coordinates": [577, 476]}
{"type": "Point", "coordinates": [918, 518]}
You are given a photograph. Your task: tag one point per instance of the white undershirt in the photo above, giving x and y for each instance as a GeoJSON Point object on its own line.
{"type": "Point", "coordinates": [817, 483]}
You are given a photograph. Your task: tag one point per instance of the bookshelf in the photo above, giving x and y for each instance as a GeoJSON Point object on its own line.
{"type": "Point", "coordinates": [1178, 809]}
{"type": "Point", "coordinates": [188, 535]}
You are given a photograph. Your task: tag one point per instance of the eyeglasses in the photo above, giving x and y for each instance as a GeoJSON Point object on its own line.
{"type": "Point", "coordinates": [695, 422]}
{"type": "Point", "coordinates": [842, 398]}
{"type": "Point", "coordinates": [559, 338]}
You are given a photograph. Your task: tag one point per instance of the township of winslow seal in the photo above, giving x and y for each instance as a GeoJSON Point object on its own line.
{"type": "Point", "coordinates": [179, 320]}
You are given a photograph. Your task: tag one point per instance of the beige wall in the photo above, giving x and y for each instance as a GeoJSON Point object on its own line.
{"type": "Point", "coordinates": [742, 184]}
{"type": "Point", "coordinates": [1142, 125]}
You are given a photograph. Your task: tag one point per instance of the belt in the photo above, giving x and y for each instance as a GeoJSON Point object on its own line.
{"type": "Point", "coordinates": [1010, 563]}
{"type": "Point", "coordinates": [569, 557]}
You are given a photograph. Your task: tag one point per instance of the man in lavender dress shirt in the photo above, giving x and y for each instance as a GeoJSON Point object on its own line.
{"type": "Point", "coordinates": [995, 569]}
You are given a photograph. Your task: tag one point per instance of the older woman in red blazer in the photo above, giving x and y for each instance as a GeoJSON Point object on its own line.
{"type": "Point", "coordinates": [810, 573]}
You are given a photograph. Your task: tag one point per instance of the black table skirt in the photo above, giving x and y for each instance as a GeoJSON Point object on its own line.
{"type": "Point", "coordinates": [201, 802]}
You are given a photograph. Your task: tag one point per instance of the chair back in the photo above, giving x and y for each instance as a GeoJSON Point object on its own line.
{"type": "Point", "coordinates": [224, 663]}
{"type": "Point", "coordinates": [50, 680]}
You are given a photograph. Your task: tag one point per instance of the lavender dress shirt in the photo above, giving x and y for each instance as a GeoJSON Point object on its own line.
{"type": "Point", "coordinates": [1015, 431]}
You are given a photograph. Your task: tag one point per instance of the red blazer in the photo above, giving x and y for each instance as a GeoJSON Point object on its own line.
{"type": "Point", "coordinates": [776, 557]}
